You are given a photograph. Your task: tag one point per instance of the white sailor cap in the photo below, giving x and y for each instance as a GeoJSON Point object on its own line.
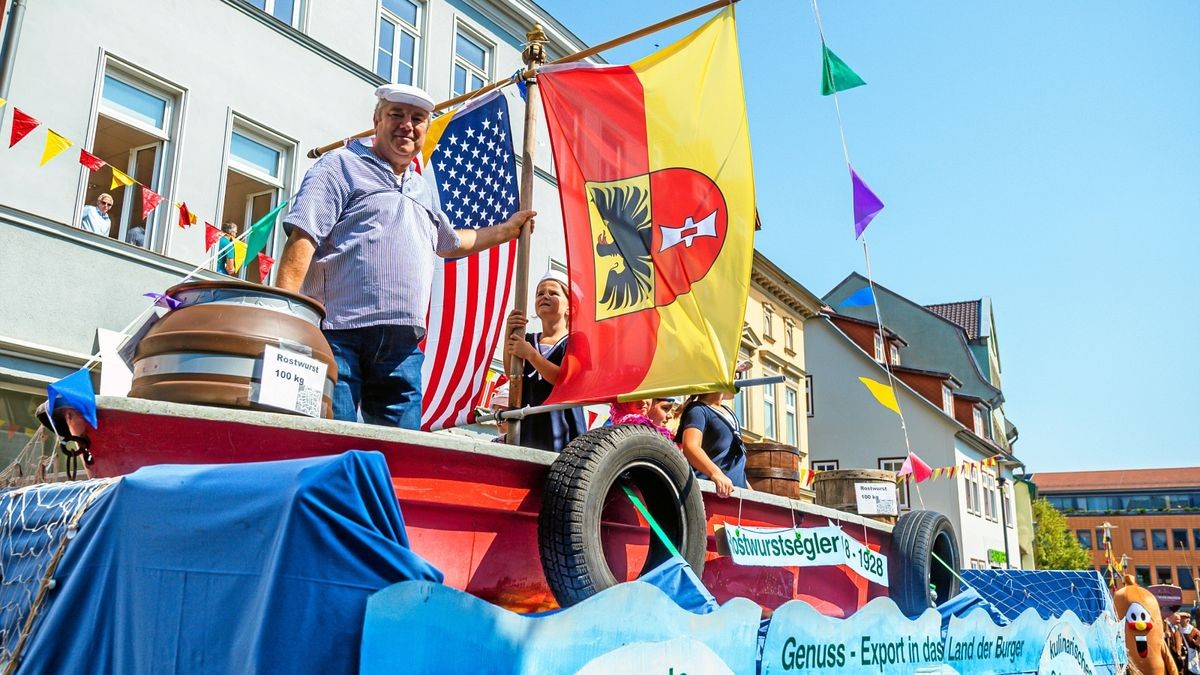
{"type": "Point", "coordinates": [555, 275]}
{"type": "Point", "coordinates": [406, 93]}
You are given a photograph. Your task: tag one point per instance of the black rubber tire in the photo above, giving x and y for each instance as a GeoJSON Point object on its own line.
{"type": "Point", "coordinates": [911, 566]}
{"type": "Point", "coordinates": [586, 473]}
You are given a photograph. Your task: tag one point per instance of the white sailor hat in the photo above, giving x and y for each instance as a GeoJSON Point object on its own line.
{"type": "Point", "coordinates": [555, 275]}
{"type": "Point", "coordinates": [406, 93]}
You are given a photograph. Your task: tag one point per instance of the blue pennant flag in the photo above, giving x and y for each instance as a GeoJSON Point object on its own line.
{"type": "Point", "coordinates": [75, 391]}
{"type": "Point", "coordinates": [861, 298]}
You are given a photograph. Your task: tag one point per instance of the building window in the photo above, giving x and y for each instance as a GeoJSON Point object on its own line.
{"type": "Point", "coordinates": [989, 511]}
{"type": "Point", "coordinates": [808, 395]}
{"type": "Point", "coordinates": [790, 397]}
{"type": "Point", "coordinates": [1100, 538]}
{"type": "Point", "coordinates": [286, 11]}
{"type": "Point", "coordinates": [134, 128]}
{"type": "Point", "coordinates": [1142, 573]}
{"type": "Point", "coordinates": [768, 393]}
{"type": "Point", "coordinates": [977, 418]}
{"type": "Point", "coordinates": [472, 64]}
{"type": "Point", "coordinates": [20, 424]}
{"type": "Point", "coordinates": [1196, 539]}
{"type": "Point", "coordinates": [878, 346]}
{"type": "Point", "coordinates": [1163, 574]}
{"type": "Point", "coordinates": [254, 184]}
{"type": "Point", "coordinates": [1179, 539]}
{"type": "Point", "coordinates": [1085, 538]}
{"type": "Point", "coordinates": [768, 321]}
{"type": "Point", "coordinates": [825, 465]}
{"type": "Point", "coordinates": [894, 464]}
{"type": "Point", "coordinates": [1186, 581]}
{"type": "Point", "coordinates": [970, 494]}
{"type": "Point", "coordinates": [789, 335]}
{"type": "Point", "coordinates": [1007, 505]}
{"type": "Point", "coordinates": [894, 352]}
{"type": "Point", "coordinates": [1137, 539]}
{"type": "Point", "coordinates": [1159, 539]}
{"type": "Point", "coordinates": [947, 401]}
{"type": "Point", "coordinates": [399, 36]}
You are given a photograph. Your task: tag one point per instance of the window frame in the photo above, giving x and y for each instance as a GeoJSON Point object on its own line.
{"type": "Point", "coordinates": [1158, 577]}
{"type": "Point", "coordinates": [809, 401]}
{"type": "Point", "coordinates": [1175, 541]}
{"type": "Point", "coordinates": [789, 335]}
{"type": "Point", "coordinates": [894, 353]}
{"type": "Point", "coordinates": [791, 398]}
{"type": "Point", "coordinates": [268, 8]}
{"type": "Point", "coordinates": [825, 465]}
{"type": "Point", "coordinates": [770, 411]}
{"type": "Point", "coordinates": [1166, 541]}
{"type": "Point", "coordinates": [1142, 575]}
{"type": "Point", "coordinates": [1133, 540]}
{"type": "Point", "coordinates": [416, 31]}
{"type": "Point", "coordinates": [768, 311]}
{"type": "Point", "coordinates": [879, 350]}
{"type": "Point", "coordinates": [489, 52]}
{"type": "Point", "coordinates": [947, 399]}
{"type": "Point", "coordinates": [1084, 537]}
{"type": "Point", "coordinates": [894, 464]}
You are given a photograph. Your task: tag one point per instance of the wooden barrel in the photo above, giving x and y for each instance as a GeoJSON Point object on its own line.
{"type": "Point", "coordinates": [774, 468]}
{"type": "Point", "coordinates": [209, 350]}
{"type": "Point", "coordinates": [836, 490]}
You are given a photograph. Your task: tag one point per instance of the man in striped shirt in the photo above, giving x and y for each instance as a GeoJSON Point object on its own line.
{"type": "Point", "coordinates": [364, 232]}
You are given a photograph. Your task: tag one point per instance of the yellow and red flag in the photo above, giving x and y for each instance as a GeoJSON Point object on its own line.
{"type": "Point", "coordinates": [657, 189]}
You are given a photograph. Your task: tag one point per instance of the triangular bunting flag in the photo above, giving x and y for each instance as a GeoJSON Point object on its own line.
{"type": "Point", "coordinates": [150, 200]}
{"type": "Point", "coordinates": [937, 473]}
{"type": "Point", "coordinates": [866, 204]}
{"type": "Point", "coordinates": [835, 74]}
{"type": "Point", "coordinates": [186, 218]}
{"type": "Point", "coordinates": [914, 466]}
{"type": "Point", "coordinates": [74, 390]}
{"type": "Point", "coordinates": [264, 266]}
{"type": "Point", "coordinates": [91, 161]}
{"type": "Point", "coordinates": [861, 298]}
{"type": "Point", "coordinates": [882, 393]}
{"type": "Point", "coordinates": [161, 300]}
{"type": "Point", "coordinates": [239, 254]}
{"type": "Point", "coordinates": [55, 144]}
{"type": "Point", "coordinates": [260, 232]}
{"type": "Point", "coordinates": [22, 124]}
{"type": "Point", "coordinates": [211, 236]}
{"type": "Point", "coordinates": [120, 178]}
{"type": "Point", "coordinates": [3, 101]}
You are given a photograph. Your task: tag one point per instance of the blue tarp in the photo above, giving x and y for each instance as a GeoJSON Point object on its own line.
{"type": "Point", "coordinates": [1049, 592]}
{"type": "Point", "coordinates": [227, 569]}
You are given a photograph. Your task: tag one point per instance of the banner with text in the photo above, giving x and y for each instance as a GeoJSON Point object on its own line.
{"type": "Point", "coordinates": [804, 547]}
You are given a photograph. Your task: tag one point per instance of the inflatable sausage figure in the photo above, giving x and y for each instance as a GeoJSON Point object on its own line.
{"type": "Point", "coordinates": [1144, 637]}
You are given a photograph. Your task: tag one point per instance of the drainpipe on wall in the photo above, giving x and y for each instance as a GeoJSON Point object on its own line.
{"type": "Point", "coordinates": [8, 55]}
{"type": "Point", "coordinates": [1004, 520]}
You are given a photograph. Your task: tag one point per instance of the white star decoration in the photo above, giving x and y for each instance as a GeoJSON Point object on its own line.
{"type": "Point", "coordinates": [475, 181]}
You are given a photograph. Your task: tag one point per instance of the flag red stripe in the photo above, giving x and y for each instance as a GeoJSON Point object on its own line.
{"type": "Point", "coordinates": [441, 344]}
{"type": "Point", "coordinates": [473, 370]}
{"type": "Point", "coordinates": [450, 395]}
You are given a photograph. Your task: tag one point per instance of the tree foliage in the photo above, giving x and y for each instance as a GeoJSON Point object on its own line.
{"type": "Point", "coordinates": [1054, 545]}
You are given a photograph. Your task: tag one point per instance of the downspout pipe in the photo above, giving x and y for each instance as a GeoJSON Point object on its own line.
{"type": "Point", "coordinates": [8, 54]}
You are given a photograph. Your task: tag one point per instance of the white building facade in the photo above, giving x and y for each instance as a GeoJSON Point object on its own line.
{"type": "Point", "coordinates": [212, 103]}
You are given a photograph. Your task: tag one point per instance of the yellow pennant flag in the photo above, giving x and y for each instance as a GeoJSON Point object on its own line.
{"type": "Point", "coordinates": [3, 101]}
{"type": "Point", "coordinates": [120, 178]}
{"type": "Point", "coordinates": [937, 473]}
{"type": "Point", "coordinates": [239, 253]}
{"type": "Point", "coordinates": [55, 144]}
{"type": "Point", "coordinates": [882, 393]}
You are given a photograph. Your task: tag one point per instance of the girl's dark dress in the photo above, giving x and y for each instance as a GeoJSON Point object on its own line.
{"type": "Point", "coordinates": [553, 430]}
{"type": "Point", "coordinates": [722, 440]}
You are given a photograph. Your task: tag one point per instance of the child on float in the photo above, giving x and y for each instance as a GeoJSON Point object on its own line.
{"type": "Point", "coordinates": [711, 439]}
{"type": "Point", "coordinates": [543, 352]}
{"type": "Point", "coordinates": [640, 412]}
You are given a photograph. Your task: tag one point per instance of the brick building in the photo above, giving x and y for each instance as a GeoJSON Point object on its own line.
{"type": "Point", "coordinates": [1156, 513]}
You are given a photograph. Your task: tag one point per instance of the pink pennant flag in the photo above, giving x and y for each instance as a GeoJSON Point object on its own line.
{"type": "Point", "coordinates": [264, 266]}
{"type": "Point", "coordinates": [866, 204]}
{"type": "Point", "coordinates": [150, 200]}
{"type": "Point", "coordinates": [211, 236]}
{"type": "Point", "coordinates": [914, 465]}
{"type": "Point", "coordinates": [22, 124]}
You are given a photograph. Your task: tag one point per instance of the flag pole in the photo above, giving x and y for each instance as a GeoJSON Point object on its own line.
{"type": "Point", "coordinates": [570, 58]}
{"type": "Point", "coordinates": [534, 55]}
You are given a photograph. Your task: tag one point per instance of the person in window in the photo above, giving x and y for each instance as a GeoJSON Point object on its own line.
{"type": "Point", "coordinates": [226, 256]}
{"type": "Point", "coordinates": [543, 353]}
{"type": "Point", "coordinates": [364, 232]}
{"type": "Point", "coordinates": [711, 439]}
{"type": "Point", "coordinates": [95, 218]}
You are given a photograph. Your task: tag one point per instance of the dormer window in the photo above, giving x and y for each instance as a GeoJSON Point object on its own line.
{"type": "Point", "coordinates": [879, 347]}
{"type": "Point", "coordinates": [978, 419]}
{"type": "Point", "coordinates": [947, 400]}
{"type": "Point", "coordinates": [789, 335]}
{"type": "Point", "coordinates": [895, 354]}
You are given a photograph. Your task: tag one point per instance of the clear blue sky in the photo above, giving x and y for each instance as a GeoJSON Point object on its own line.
{"type": "Point", "coordinates": [1046, 154]}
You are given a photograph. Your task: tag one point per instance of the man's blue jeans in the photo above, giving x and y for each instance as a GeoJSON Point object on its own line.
{"type": "Point", "coordinates": [379, 375]}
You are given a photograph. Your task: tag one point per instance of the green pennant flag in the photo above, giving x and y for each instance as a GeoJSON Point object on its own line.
{"type": "Point", "coordinates": [260, 233]}
{"type": "Point", "coordinates": [835, 74]}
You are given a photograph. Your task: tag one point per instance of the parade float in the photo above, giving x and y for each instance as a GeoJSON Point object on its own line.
{"type": "Point", "coordinates": [228, 527]}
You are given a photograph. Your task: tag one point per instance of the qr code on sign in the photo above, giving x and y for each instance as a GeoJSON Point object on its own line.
{"type": "Point", "coordinates": [308, 401]}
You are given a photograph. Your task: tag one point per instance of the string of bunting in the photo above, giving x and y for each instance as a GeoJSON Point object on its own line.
{"type": "Point", "coordinates": [23, 124]}
{"type": "Point", "coordinates": [11, 429]}
{"type": "Point", "coordinates": [808, 476]}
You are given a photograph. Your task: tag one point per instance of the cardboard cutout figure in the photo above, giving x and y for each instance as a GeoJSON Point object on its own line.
{"type": "Point", "coordinates": [1144, 637]}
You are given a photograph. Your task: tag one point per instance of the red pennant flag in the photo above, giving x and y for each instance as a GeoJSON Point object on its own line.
{"type": "Point", "coordinates": [186, 218]}
{"type": "Point", "coordinates": [21, 126]}
{"type": "Point", "coordinates": [150, 200]}
{"type": "Point", "coordinates": [91, 161]}
{"type": "Point", "coordinates": [211, 236]}
{"type": "Point", "coordinates": [264, 266]}
{"type": "Point", "coordinates": [914, 465]}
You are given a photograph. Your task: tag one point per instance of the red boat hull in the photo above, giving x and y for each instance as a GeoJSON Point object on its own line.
{"type": "Point", "coordinates": [470, 508]}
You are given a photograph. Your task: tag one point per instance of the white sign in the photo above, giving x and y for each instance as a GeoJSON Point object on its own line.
{"type": "Point", "coordinates": [807, 547]}
{"type": "Point", "coordinates": [876, 499]}
{"type": "Point", "coordinates": [292, 381]}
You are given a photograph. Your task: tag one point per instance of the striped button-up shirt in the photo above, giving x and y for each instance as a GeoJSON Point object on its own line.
{"type": "Point", "coordinates": [377, 234]}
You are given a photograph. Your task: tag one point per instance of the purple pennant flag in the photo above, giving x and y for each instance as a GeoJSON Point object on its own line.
{"type": "Point", "coordinates": [161, 300]}
{"type": "Point", "coordinates": [866, 204]}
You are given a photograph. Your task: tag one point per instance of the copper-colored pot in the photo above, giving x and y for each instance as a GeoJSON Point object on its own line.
{"type": "Point", "coordinates": [209, 349]}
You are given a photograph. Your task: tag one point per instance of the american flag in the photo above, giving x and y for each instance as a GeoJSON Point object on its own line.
{"type": "Point", "coordinates": [474, 169]}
